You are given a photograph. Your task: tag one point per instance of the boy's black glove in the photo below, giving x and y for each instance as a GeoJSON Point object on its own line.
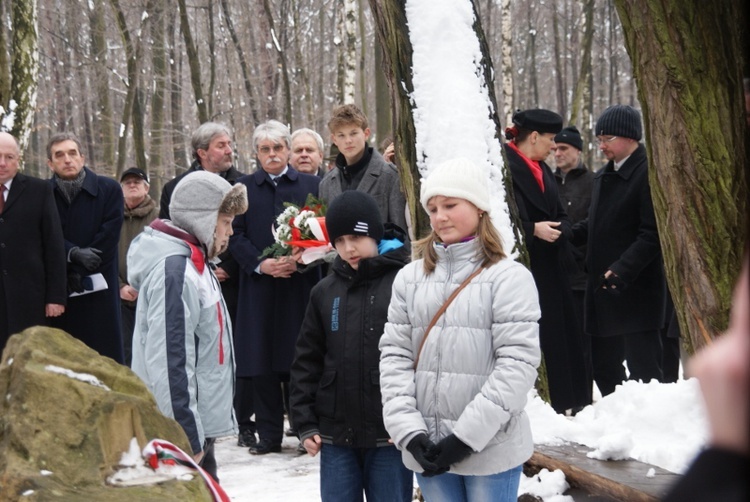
{"type": "Point", "coordinates": [451, 450]}
{"type": "Point", "coordinates": [423, 451]}
{"type": "Point", "coordinates": [88, 258]}
{"type": "Point", "coordinates": [614, 285]}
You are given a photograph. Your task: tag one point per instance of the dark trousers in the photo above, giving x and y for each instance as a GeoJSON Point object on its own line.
{"type": "Point", "coordinates": [243, 404]}
{"type": "Point", "coordinates": [269, 407]}
{"type": "Point", "coordinates": [127, 322]}
{"type": "Point", "coordinates": [642, 351]}
{"type": "Point", "coordinates": [208, 462]}
{"type": "Point", "coordinates": [578, 303]}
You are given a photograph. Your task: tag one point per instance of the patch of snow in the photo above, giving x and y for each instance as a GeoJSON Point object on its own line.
{"type": "Point", "coordinates": [83, 377]}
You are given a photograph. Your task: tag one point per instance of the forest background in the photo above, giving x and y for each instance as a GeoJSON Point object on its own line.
{"type": "Point", "coordinates": [133, 79]}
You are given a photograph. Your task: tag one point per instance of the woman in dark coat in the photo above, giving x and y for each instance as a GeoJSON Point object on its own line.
{"type": "Point", "coordinates": [546, 229]}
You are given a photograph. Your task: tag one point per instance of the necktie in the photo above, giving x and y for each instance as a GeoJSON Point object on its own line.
{"type": "Point", "coordinates": [2, 198]}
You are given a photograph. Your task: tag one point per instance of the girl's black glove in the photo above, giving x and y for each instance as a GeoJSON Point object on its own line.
{"type": "Point", "coordinates": [423, 451]}
{"type": "Point", "coordinates": [451, 450]}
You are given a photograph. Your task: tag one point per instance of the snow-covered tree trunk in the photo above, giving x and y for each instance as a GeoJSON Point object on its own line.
{"type": "Point", "coordinates": [17, 115]}
{"type": "Point", "coordinates": [506, 33]}
{"type": "Point", "coordinates": [440, 75]}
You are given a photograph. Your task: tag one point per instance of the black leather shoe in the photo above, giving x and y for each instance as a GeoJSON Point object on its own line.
{"type": "Point", "coordinates": [301, 450]}
{"type": "Point", "coordinates": [265, 446]}
{"type": "Point", "coordinates": [246, 438]}
{"type": "Point", "coordinates": [290, 433]}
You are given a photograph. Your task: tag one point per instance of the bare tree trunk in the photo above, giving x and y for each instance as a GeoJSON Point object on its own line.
{"type": "Point", "coordinates": [362, 59]}
{"type": "Point", "coordinates": [281, 53]}
{"type": "Point", "coordinates": [24, 70]}
{"type": "Point", "coordinates": [243, 62]}
{"type": "Point", "coordinates": [211, 59]}
{"type": "Point", "coordinates": [193, 63]}
{"type": "Point", "coordinates": [687, 60]}
{"type": "Point", "coordinates": [534, 79]}
{"type": "Point", "coordinates": [104, 136]}
{"type": "Point", "coordinates": [175, 95]}
{"type": "Point", "coordinates": [584, 74]}
{"type": "Point", "coordinates": [5, 75]}
{"type": "Point", "coordinates": [384, 119]}
{"type": "Point", "coordinates": [559, 63]}
{"type": "Point", "coordinates": [155, 8]}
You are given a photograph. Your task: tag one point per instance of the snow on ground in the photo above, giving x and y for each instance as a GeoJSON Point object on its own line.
{"type": "Point", "coordinates": [659, 424]}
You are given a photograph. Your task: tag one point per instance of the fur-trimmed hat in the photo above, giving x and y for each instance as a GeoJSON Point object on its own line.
{"type": "Point", "coordinates": [197, 201]}
{"type": "Point", "coordinates": [620, 120]}
{"type": "Point", "coordinates": [457, 178]}
{"type": "Point", "coordinates": [354, 213]}
{"type": "Point", "coordinates": [570, 136]}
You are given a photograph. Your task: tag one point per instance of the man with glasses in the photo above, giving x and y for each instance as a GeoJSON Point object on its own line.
{"type": "Point", "coordinates": [625, 288]}
{"type": "Point", "coordinates": [273, 294]}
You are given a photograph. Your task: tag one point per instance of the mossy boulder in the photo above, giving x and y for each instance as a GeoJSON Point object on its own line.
{"type": "Point", "coordinates": [62, 436]}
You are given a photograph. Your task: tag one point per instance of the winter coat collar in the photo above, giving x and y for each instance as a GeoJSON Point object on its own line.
{"type": "Point", "coordinates": [260, 176]}
{"type": "Point", "coordinates": [630, 166]}
{"type": "Point", "coordinates": [197, 253]}
{"type": "Point", "coordinates": [141, 210]}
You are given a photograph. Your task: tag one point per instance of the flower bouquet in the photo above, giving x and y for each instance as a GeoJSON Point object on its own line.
{"type": "Point", "coordinates": [302, 227]}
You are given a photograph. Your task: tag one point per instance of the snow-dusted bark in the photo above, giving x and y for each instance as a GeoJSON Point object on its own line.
{"type": "Point", "coordinates": [18, 116]}
{"type": "Point", "coordinates": [349, 36]}
{"type": "Point", "coordinates": [507, 60]}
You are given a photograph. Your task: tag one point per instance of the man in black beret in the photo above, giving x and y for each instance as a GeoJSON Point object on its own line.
{"type": "Point", "coordinates": [625, 289]}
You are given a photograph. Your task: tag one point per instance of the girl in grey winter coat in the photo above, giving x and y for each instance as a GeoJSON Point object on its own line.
{"type": "Point", "coordinates": [454, 402]}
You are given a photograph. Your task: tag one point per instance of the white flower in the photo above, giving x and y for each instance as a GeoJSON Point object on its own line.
{"type": "Point", "coordinates": [300, 221]}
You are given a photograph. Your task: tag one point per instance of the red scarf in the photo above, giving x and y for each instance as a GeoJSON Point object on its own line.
{"type": "Point", "coordinates": [534, 167]}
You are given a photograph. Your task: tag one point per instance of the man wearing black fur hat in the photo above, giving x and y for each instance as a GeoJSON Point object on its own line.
{"type": "Point", "coordinates": [626, 289]}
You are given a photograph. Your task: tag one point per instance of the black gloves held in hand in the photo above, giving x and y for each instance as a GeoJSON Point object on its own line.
{"type": "Point", "coordinates": [451, 450]}
{"type": "Point", "coordinates": [88, 258]}
{"type": "Point", "coordinates": [74, 283]}
{"type": "Point", "coordinates": [613, 284]}
{"type": "Point", "coordinates": [424, 452]}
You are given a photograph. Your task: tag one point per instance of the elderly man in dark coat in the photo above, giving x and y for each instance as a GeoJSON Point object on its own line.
{"type": "Point", "coordinates": [32, 253]}
{"type": "Point", "coordinates": [626, 287]}
{"type": "Point", "coordinates": [273, 295]}
{"type": "Point", "coordinates": [91, 213]}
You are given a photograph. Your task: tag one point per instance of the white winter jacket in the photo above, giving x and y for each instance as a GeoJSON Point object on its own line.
{"type": "Point", "coordinates": [477, 365]}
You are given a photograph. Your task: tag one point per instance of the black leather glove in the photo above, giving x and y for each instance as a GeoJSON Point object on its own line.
{"type": "Point", "coordinates": [88, 258]}
{"type": "Point", "coordinates": [451, 451]}
{"type": "Point", "coordinates": [423, 451]}
{"type": "Point", "coordinates": [614, 285]}
{"type": "Point", "coordinates": [74, 283]}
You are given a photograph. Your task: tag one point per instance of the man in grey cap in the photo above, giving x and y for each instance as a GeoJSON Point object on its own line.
{"type": "Point", "coordinates": [626, 288]}
{"type": "Point", "coordinates": [182, 344]}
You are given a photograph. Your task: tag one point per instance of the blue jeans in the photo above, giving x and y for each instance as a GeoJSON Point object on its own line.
{"type": "Point", "coordinates": [345, 473]}
{"type": "Point", "coordinates": [500, 487]}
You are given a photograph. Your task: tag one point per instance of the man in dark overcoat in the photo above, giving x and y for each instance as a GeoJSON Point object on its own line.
{"type": "Point", "coordinates": [273, 294]}
{"type": "Point", "coordinates": [91, 214]}
{"type": "Point", "coordinates": [626, 287]}
{"type": "Point", "coordinates": [32, 253]}
{"type": "Point", "coordinates": [574, 183]}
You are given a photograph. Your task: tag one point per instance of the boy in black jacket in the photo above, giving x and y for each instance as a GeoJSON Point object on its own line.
{"type": "Point", "coordinates": [335, 381]}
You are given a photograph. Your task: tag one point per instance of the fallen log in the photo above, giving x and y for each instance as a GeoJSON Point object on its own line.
{"type": "Point", "coordinates": [624, 480]}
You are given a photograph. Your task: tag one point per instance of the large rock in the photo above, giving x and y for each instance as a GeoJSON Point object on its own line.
{"type": "Point", "coordinates": [61, 437]}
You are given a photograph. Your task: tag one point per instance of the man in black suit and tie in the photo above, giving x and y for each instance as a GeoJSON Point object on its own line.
{"type": "Point", "coordinates": [32, 250]}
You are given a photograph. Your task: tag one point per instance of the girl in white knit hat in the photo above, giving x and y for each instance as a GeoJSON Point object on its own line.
{"type": "Point", "coordinates": [460, 348]}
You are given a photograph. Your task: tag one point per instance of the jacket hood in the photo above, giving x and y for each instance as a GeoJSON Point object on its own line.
{"type": "Point", "coordinates": [150, 248]}
{"type": "Point", "coordinates": [197, 201]}
{"type": "Point", "coordinates": [376, 266]}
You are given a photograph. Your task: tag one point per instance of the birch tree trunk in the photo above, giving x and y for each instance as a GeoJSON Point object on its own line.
{"type": "Point", "coordinates": [687, 61]}
{"type": "Point", "coordinates": [506, 28]}
{"type": "Point", "coordinates": [349, 36]}
{"type": "Point", "coordinates": [18, 116]}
